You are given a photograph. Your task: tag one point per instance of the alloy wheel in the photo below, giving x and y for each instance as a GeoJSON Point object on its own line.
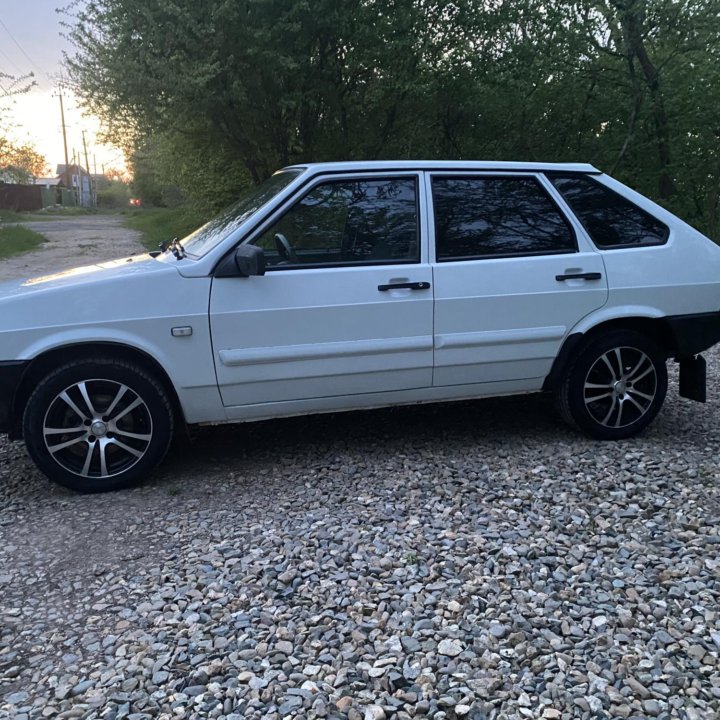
{"type": "Point", "coordinates": [97, 428]}
{"type": "Point", "coordinates": [620, 387]}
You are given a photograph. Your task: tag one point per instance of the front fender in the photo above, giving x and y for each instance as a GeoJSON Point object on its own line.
{"type": "Point", "coordinates": [81, 336]}
{"type": "Point", "coordinates": [186, 360]}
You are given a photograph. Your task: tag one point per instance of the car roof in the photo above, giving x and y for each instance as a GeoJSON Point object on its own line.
{"type": "Point", "coordinates": [444, 165]}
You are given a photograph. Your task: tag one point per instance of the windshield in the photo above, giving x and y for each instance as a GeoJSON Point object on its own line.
{"type": "Point", "coordinates": [209, 235]}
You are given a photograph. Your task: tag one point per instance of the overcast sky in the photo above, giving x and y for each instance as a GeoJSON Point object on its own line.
{"type": "Point", "coordinates": [31, 41]}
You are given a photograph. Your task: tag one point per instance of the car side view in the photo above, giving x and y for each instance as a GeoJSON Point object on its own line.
{"type": "Point", "coordinates": [341, 286]}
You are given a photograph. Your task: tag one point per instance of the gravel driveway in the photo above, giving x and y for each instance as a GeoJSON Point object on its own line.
{"type": "Point", "coordinates": [73, 241]}
{"type": "Point", "coordinates": [474, 560]}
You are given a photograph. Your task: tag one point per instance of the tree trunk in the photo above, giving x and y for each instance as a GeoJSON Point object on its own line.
{"type": "Point", "coordinates": [631, 20]}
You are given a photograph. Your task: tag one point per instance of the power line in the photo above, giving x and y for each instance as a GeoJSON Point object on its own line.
{"type": "Point", "coordinates": [10, 60]}
{"type": "Point", "coordinates": [29, 59]}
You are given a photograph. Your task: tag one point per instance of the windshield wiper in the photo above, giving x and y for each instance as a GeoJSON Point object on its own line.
{"type": "Point", "coordinates": [175, 247]}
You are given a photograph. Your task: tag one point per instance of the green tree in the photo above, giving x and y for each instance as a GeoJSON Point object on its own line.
{"type": "Point", "coordinates": [210, 96]}
{"type": "Point", "coordinates": [271, 82]}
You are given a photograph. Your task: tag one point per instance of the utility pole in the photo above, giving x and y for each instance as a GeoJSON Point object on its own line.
{"type": "Point", "coordinates": [76, 186]}
{"type": "Point", "coordinates": [95, 174]}
{"type": "Point", "coordinates": [87, 167]}
{"type": "Point", "coordinates": [62, 119]}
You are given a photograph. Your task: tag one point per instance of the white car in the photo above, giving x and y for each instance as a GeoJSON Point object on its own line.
{"type": "Point", "coordinates": [354, 285]}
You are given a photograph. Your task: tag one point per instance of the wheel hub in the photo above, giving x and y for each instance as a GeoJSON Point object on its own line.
{"type": "Point", "coordinates": [99, 429]}
{"type": "Point", "coordinates": [620, 388]}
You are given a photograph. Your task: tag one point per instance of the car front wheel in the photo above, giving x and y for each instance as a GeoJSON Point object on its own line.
{"type": "Point", "coordinates": [98, 424]}
{"type": "Point", "coordinates": [616, 386]}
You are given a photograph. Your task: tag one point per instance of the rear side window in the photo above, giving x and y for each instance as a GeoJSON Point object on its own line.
{"type": "Point", "coordinates": [611, 220]}
{"type": "Point", "coordinates": [485, 217]}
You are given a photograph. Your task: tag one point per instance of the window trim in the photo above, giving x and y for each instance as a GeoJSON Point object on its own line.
{"type": "Point", "coordinates": [349, 177]}
{"type": "Point", "coordinates": [491, 175]}
{"type": "Point", "coordinates": [603, 248]}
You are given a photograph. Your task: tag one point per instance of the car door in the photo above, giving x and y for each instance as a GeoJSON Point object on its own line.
{"type": "Point", "coordinates": [345, 306]}
{"type": "Point", "coordinates": [512, 276]}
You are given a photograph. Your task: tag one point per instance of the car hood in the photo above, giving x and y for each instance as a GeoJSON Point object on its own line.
{"type": "Point", "coordinates": [85, 275]}
{"type": "Point", "coordinates": [97, 294]}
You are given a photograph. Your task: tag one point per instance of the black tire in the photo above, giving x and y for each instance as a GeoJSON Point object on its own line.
{"type": "Point", "coordinates": [615, 387]}
{"type": "Point", "coordinates": [83, 446]}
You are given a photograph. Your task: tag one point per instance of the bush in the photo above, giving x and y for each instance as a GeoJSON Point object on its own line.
{"type": "Point", "coordinates": [113, 195]}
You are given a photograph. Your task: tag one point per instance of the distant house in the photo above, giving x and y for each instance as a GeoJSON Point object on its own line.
{"type": "Point", "coordinates": [55, 192]}
{"type": "Point", "coordinates": [49, 181]}
{"type": "Point", "coordinates": [79, 180]}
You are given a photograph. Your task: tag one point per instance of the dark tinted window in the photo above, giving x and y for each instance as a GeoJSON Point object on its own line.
{"type": "Point", "coordinates": [209, 235]}
{"type": "Point", "coordinates": [368, 221]}
{"type": "Point", "coordinates": [491, 216]}
{"type": "Point", "coordinates": [610, 219]}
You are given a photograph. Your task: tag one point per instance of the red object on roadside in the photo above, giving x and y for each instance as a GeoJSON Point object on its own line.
{"type": "Point", "coordinates": [135, 202]}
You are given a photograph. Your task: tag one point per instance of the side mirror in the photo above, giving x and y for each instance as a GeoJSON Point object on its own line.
{"type": "Point", "coordinates": [250, 260]}
{"type": "Point", "coordinates": [247, 260]}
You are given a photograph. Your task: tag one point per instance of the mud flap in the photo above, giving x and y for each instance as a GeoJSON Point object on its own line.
{"type": "Point", "coordinates": [693, 378]}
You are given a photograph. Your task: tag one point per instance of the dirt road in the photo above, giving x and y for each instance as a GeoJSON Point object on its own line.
{"type": "Point", "coordinates": [72, 242]}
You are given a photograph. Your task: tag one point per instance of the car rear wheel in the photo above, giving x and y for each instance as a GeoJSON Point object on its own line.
{"type": "Point", "coordinates": [616, 386]}
{"type": "Point", "coordinates": [98, 424]}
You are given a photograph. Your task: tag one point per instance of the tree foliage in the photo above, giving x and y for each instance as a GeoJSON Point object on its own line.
{"type": "Point", "coordinates": [19, 162]}
{"type": "Point", "coordinates": [216, 94]}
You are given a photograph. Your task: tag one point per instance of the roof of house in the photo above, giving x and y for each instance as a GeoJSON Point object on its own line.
{"type": "Point", "coordinates": [79, 169]}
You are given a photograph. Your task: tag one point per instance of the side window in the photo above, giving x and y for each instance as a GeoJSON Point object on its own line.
{"type": "Point", "coordinates": [347, 222]}
{"type": "Point", "coordinates": [610, 219]}
{"type": "Point", "coordinates": [484, 217]}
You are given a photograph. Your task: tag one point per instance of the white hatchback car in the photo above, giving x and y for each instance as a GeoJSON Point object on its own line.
{"type": "Point", "coordinates": [355, 285]}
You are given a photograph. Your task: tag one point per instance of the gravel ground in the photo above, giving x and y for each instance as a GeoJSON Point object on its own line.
{"type": "Point", "coordinates": [73, 241]}
{"type": "Point", "coordinates": [474, 560]}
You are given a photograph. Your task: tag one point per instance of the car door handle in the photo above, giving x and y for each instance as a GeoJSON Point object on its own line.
{"type": "Point", "coordinates": [408, 285]}
{"type": "Point", "coordinates": [579, 276]}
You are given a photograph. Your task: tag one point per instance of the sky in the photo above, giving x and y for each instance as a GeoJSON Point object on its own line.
{"type": "Point", "coordinates": [31, 40]}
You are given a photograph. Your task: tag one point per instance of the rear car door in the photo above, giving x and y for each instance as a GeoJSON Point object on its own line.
{"type": "Point", "coordinates": [512, 276]}
{"type": "Point", "coordinates": [345, 306]}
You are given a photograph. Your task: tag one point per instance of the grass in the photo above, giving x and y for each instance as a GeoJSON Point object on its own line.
{"type": "Point", "coordinates": [16, 240]}
{"type": "Point", "coordinates": [10, 216]}
{"type": "Point", "coordinates": [160, 224]}
{"type": "Point", "coordinates": [61, 211]}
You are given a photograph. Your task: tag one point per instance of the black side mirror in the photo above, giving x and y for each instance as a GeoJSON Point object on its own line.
{"type": "Point", "coordinates": [250, 260]}
{"type": "Point", "coordinates": [247, 260]}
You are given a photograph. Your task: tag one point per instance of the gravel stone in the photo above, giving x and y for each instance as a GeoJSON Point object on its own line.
{"type": "Point", "coordinates": [374, 712]}
{"type": "Point", "coordinates": [449, 647]}
{"type": "Point", "coordinates": [651, 707]}
{"type": "Point", "coordinates": [409, 644]}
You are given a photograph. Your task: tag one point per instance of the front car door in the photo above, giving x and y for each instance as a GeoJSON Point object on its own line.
{"type": "Point", "coordinates": [512, 276]}
{"type": "Point", "coordinates": [345, 306]}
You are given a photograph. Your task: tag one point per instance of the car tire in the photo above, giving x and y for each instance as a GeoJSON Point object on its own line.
{"type": "Point", "coordinates": [98, 424]}
{"type": "Point", "coordinates": [615, 387]}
